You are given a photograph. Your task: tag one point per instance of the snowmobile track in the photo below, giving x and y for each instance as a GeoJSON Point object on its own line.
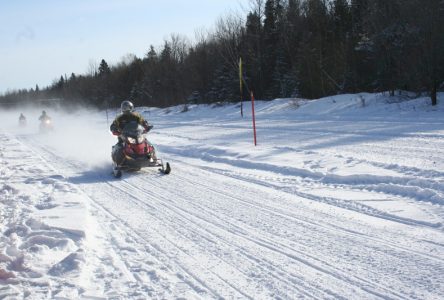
{"type": "Point", "coordinates": [237, 233]}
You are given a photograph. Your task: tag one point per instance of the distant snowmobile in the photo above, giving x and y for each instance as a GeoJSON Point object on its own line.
{"type": "Point", "coordinates": [46, 125]}
{"type": "Point", "coordinates": [22, 120]}
{"type": "Point", "coordinates": [135, 152]}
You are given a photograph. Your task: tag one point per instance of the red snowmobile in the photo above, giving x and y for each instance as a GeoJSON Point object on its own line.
{"type": "Point", "coordinates": [134, 152]}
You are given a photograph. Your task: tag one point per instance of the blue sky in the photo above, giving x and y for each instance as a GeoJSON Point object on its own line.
{"type": "Point", "coordinates": [41, 40]}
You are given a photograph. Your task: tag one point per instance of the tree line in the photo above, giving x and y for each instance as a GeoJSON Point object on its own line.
{"type": "Point", "coordinates": [289, 48]}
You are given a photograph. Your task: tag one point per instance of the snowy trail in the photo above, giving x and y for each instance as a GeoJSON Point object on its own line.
{"type": "Point", "coordinates": [326, 209]}
{"type": "Point", "coordinates": [277, 238]}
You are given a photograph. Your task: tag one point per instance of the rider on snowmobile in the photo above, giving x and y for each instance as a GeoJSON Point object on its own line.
{"type": "Point", "coordinates": [128, 115]}
{"type": "Point", "coordinates": [22, 119]}
{"type": "Point", "coordinates": [43, 117]}
{"type": "Point", "coordinates": [132, 154]}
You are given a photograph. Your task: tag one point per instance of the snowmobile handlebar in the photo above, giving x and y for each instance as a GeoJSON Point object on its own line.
{"type": "Point", "coordinates": [147, 129]}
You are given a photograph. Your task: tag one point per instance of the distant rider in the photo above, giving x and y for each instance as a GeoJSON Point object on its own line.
{"type": "Point", "coordinates": [43, 117]}
{"type": "Point", "coordinates": [128, 115]}
{"type": "Point", "coordinates": [22, 119]}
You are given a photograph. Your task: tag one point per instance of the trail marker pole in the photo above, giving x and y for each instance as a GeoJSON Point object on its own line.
{"type": "Point", "coordinates": [240, 85]}
{"type": "Point", "coordinates": [106, 109]}
{"type": "Point", "coordinates": [254, 118]}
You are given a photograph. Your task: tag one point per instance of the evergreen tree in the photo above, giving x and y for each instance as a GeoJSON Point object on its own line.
{"type": "Point", "coordinates": [253, 53]}
{"type": "Point", "coordinates": [314, 49]}
{"type": "Point", "coordinates": [430, 17]}
{"type": "Point", "coordinates": [104, 68]}
{"type": "Point", "coordinates": [362, 55]}
{"type": "Point", "coordinates": [310, 48]}
{"type": "Point", "coordinates": [339, 71]}
{"type": "Point", "coordinates": [151, 56]}
{"type": "Point", "coordinates": [271, 43]}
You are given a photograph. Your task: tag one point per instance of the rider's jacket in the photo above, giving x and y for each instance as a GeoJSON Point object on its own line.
{"type": "Point", "coordinates": [123, 119]}
{"type": "Point", "coordinates": [44, 117]}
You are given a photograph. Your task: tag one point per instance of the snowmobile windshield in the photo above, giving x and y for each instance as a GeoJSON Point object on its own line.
{"type": "Point", "coordinates": [138, 140]}
{"type": "Point", "coordinates": [133, 130]}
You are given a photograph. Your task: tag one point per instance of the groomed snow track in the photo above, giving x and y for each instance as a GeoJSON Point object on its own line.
{"type": "Point", "coordinates": [345, 206]}
{"type": "Point", "coordinates": [234, 233]}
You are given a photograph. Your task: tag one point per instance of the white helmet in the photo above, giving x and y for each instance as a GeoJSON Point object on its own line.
{"type": "Point", "coordinates": [126, 107]}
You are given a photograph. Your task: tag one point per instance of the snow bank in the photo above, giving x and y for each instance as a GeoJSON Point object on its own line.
{"type": "Point", "coordinates": [43, 221]}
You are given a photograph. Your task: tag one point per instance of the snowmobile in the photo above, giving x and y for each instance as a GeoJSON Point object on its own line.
{"type": "Point", "coordinates": [22, 122]}
{"type": "Point", "coordinates": [46, 125]}
{"type": "Point", "coordinates": [134, 152]}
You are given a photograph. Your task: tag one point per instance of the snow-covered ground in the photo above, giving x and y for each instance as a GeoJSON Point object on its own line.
{"type": "Point", "coordinates": [342, 198]}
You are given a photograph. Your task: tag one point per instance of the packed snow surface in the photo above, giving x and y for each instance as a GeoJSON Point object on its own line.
{"type": "Point", "coordinates": [342, 198]}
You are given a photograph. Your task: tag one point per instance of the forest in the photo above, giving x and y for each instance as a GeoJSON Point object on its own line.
{"type": "Point", "coordinates": [289, 48]}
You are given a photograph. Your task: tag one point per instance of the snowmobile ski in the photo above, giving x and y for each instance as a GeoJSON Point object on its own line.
{"type": "Point", "coordinates": [117, 172]}
{"type": "Point", "coordinates": [165, 169]}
